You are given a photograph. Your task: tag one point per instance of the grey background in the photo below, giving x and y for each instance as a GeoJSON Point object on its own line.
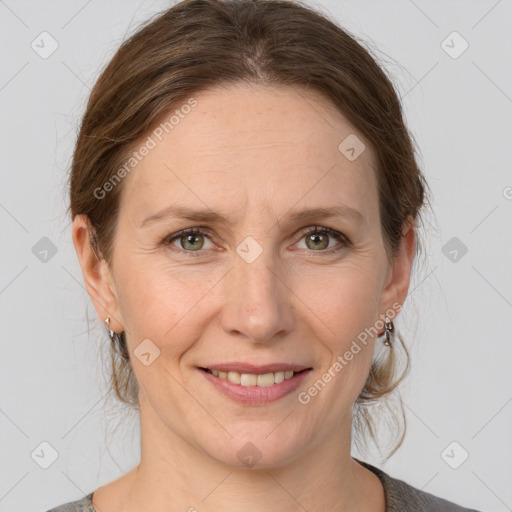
{"type": "Point", "coordinates": [457, 320]}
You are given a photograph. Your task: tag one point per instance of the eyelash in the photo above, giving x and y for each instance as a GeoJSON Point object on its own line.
{"type": "Point", "coordinates": [309, 231]}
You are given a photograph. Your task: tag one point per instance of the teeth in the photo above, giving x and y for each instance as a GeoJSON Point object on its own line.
{"type": "Point", "coordinates": [234, 377]}
{"type": "Point", "coordinates": [267, 379]}
{"type": "Point", "coordinates": [279, 377]}
{"type": "Point", "coordinates": [249, 379]}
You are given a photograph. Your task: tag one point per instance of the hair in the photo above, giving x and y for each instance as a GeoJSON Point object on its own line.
{"type": "Point", "coordinates": [199, 44]}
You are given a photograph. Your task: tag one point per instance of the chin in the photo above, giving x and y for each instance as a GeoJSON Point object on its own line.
{"type": "Point", "coordinates": [260, 446]}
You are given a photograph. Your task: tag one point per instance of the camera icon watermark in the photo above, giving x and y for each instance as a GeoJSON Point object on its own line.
{"type": "Point", "coordinates": [249, 454]}
{"type": "Point", "coordinates": [454, 249]}
{"type": "Point", "coordinates": [44, 45]}
{"type": "Point", "coordinates": [44, 250]}
{"type": "Point", "coordinates": [454, 45]}
{"type": "Point", "coordinates": [454, 455]}
{"type": "Point", "coordinates": [351, 147]}
{"type": "Point", "coordinates": [249, 249]}
{"type": "Point", "coordinates": [44, 455]}
{"type": "Point", "coordinates": [146, 352]}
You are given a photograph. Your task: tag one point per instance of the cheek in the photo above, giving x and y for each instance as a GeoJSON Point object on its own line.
{"type": "Point", "coordinates": [163, 302]}
{"type": "Point", "coordinates": [345, 297]}
{"type": "Point", "coordinates": [347, 309]}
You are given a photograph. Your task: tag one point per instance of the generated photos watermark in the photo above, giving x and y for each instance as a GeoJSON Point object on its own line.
{"type": "Point", "coordinates": [150, 143]}
{"type": "Point", "coordinates": [304, 397]}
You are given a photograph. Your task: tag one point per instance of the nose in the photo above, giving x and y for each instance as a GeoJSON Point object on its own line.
{"type": "Point", "coordinates": [259, 303]}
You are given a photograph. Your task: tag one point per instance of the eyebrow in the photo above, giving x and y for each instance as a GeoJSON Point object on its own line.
{"type": "Point", "coordinates": [186, 213]}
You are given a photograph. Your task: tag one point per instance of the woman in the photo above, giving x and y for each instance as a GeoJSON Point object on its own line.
{"type": "Point", "coordinates": [245, 203]}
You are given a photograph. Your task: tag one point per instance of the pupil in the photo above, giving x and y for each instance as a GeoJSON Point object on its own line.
{"type": "Point", "coordinates": [190, 239]}
{"type": "Point", "coordinates": [318, 239]}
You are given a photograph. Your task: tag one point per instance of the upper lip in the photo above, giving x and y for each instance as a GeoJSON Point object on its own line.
{"type": "Point", "coordinates": [255, 369]}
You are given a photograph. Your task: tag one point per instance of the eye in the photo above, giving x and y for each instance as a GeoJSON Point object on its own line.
{"type": "Point", "coordinates": [190, 240]}
{"type": "Point", "coordinates": [318, 239]}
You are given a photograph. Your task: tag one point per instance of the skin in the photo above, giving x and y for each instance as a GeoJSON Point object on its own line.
{"type": "Point", "coordinates": [254, 154]}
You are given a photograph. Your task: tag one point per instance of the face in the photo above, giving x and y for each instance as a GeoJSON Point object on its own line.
{"type": "Point", "coordinates": [255, 284]}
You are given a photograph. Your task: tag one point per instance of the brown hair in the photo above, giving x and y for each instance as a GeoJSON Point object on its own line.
{"type": "Point", "coordinates": [198, 44]}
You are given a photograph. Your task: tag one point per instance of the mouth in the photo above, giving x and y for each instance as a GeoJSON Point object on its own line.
{"type": "Point", "coordinates": [254, 379]}
{"type": "Point", "coordinates": [255, 388]}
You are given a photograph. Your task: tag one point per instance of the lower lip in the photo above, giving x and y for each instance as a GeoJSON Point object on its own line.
{"type": "Point", "coordinates": [257, 395]}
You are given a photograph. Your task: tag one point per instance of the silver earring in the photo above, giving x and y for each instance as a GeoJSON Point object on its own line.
{"type": "Point", "coordinates": [389, 330]}
{"type": "Point", "coordinates": [110, 331]}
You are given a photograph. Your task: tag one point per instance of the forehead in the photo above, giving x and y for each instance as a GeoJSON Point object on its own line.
{"type": "Point", "coordinates": [270, 147]}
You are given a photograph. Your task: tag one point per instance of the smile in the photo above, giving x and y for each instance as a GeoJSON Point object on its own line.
{"type": "Point", "coordinates": [255, 389]}
{"type": "Point", "coordinates": [251, 379]}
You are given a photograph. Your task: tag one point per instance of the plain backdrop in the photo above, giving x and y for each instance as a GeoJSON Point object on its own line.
{"type": "Point", "coordinates": [456, 89]}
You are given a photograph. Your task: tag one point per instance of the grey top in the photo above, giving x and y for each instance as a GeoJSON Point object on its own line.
{"type": "Point", "coordinates": [400, 497]}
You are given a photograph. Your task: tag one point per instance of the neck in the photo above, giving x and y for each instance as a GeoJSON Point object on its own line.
{"type": "Point", "coordinates": [175, 475]}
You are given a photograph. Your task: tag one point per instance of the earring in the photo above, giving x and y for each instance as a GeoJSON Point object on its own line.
{"type": "Point", "coordinates": [110, 331]}
{"type": "Point", "coordinates": [389, 330]}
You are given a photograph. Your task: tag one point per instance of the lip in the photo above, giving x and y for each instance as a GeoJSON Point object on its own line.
{"type": "Point", "coordinates": [257, 395]}
{"type": "Point", "coordinates": [255, 369]}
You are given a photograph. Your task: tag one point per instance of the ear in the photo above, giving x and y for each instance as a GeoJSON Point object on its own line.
{"type": "Point", "coordinates": [398, 280]}
{"type": "Point", "coordinates": [97, 276]}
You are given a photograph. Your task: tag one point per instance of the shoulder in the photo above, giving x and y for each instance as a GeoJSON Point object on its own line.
{"type": "Point", "coordinates": [83, 505]}
{"type": "Point", "coordinates": [402, 497]}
